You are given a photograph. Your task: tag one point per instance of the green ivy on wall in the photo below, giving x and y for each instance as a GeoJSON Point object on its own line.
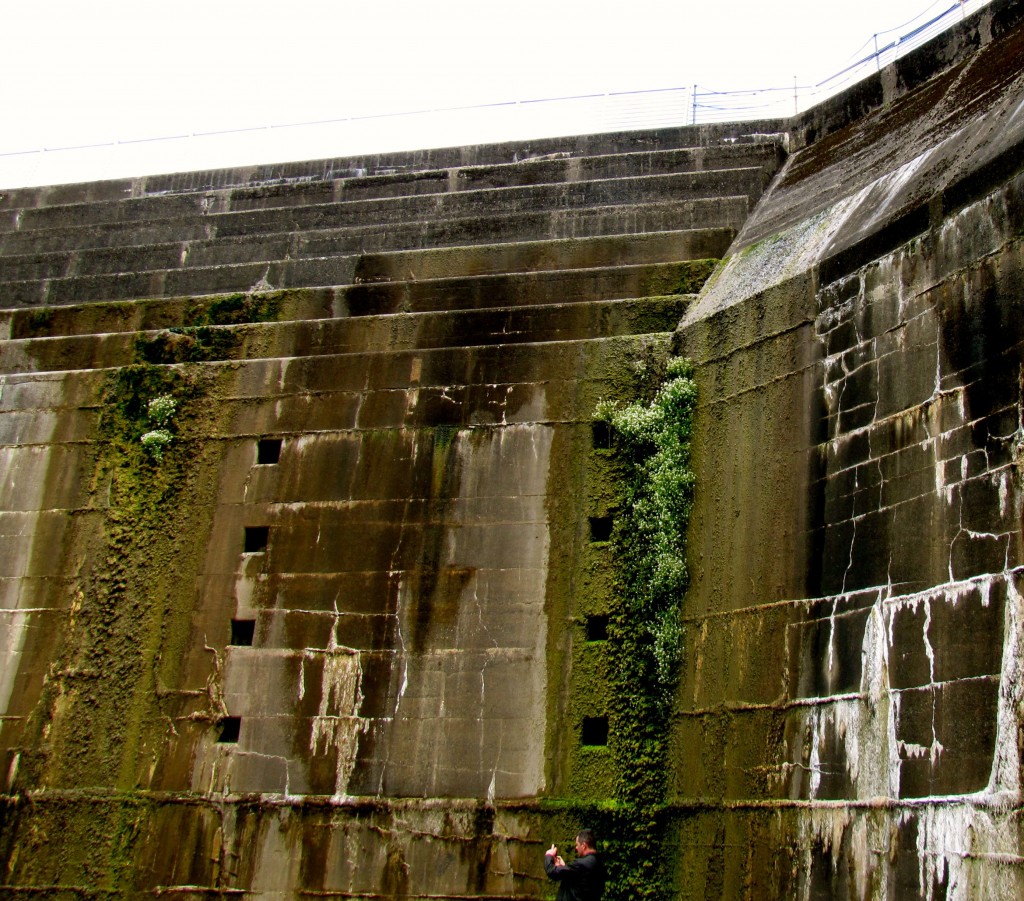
{"type": "Point", "coordinates": [652, 444]}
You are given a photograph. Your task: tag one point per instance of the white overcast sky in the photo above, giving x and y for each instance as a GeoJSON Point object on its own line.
{"type": "Point", "coordinates": [74, 73]}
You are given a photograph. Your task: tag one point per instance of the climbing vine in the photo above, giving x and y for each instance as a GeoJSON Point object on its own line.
{"type": "Point", "coordinates": [652, 445]}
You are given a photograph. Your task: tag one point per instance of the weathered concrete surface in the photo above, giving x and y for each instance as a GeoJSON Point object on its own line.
{"type": "Point", "coordinates": [854, 622]}
{"type": "Point", "coordinates": [361, 667]}
{"type": "Point", "coordinates": [352, 669]}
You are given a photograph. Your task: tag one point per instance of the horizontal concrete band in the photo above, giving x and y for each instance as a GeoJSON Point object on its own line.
{"type": "Point", "coordinates": [608, 144]}
{"type": "Point", "coordinates": [45, 280]}
{"type": "Point", "coordinates": [557, 286]}
{"type": "Point", "coordinates": [478, 292]}
{"type": "Point", "coordinates": [371, 334]}
{"type": "Point", "coordinates": [749, 180]}
{"type": "Point", "coordinates": [562, 170]}
{"type": "Point", "coordinates": [552, 806]}
{"type": "Point", "coordinates": [110, 249]}
{"type": "Point", "coordinates": [479, 368]}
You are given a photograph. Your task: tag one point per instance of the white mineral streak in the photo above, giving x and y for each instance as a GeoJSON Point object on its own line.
{"type": "Point", "coordinates": [945, 482]}
{"type": "Point", "coordinates": [871, 756]}
{"type": "Point", "coordinates": [398, 578]}
{"type": "Point", "coordinates": [1004, 781]}
{"type": "Point", "coordinates": [831, 656]}
{"type": "Point", "coordinates": [989, 228]}
{"type": "Point", "coordinates": [337, 726]}
{"type": "Point", "coordinates": [965, 842]}
{"type": "Point", "coordinates": [967, 845]}
{"type": "Point", "coordinates": [248, 577]}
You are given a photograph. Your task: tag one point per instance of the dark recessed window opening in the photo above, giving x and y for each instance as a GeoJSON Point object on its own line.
{"type": "Point", "coordinates": [600, 528]}
{"type": "Point", "coordinates": [595, 731]}
{"type": "Point", "coordinates": [602, 436]}
{"type": "Point", "coordinates": [597, 627]}
{"type": "Point", "coordinates": [230, 728]}
{"type": "Point", "coordinates": [256, 538]}
{"type": "Point", "coordinates": [268, 451]}
{"type": "Point", "coordinates": [242, 632]}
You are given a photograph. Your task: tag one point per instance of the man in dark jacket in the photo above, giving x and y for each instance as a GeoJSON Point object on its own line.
{"type": "Point", "coordinates": [581, 880]}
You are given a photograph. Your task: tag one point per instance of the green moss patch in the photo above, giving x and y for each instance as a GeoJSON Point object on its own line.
{"type": "Point", "coordinates": [684, 277]}
{"type": "Point", "coordinates": [106, 719]}
{"type": "Point", "coordinates": [203, 338]}
{"type": "Point", "coordinates": [235, 309]}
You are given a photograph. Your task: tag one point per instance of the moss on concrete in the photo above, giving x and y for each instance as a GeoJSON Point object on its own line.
{"type": "Point", "coordinates": [686, 277]}
{"type": "Point", "coordinates": [107, 714]}
{"type": "Point", "coordinates": [235, 309]}
{"type": "Point", "coordinates": [619, 789]}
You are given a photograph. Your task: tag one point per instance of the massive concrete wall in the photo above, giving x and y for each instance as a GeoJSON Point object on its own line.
{"type": "Point", "coordinates": [324, 642]}
{"type": "Point", "coordinates": [331, 643]}
{"type": "Point", "coordinates": [854, 623]}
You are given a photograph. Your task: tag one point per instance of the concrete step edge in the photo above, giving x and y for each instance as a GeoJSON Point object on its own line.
{"type": "Point", "coordinates": [468, 197]}
{"type": "Point", "coordinates": [321, 171]}
{"type": "Point", "coordinates": [554, 346]}
{"type": "Point", "coordinates": [275, 274]}
{"type": "Point", "coordinates": [369, 318]}
{"type": "Point", "coordinates": [477, 282]}
{"type": "Point", "coordinates": [717, 209]}
{"type": "Point", "coordinates": [449, 174]}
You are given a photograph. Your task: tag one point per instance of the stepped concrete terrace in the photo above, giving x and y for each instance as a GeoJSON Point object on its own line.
{"type": "Point", "coordinates": [370, 516]}
{"type": "Point", "coordinates": [326, 630]}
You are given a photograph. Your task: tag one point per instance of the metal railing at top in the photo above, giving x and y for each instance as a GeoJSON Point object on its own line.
{"type": "Point", "coordinates": [462, 125]}
{"type": "Point", "coordinates": [879, 50]}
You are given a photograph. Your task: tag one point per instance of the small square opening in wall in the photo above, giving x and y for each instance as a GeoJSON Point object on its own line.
{"type": "Point", "coordinates": [595, 731]}
{"type": "Point", "coordinates": [268, 451]}
{"type": "Point", "coordinates": [601, 436]}
{"type": "Point", "coordinates": [256, 539]}
{"type": "Point", "coordinates": [601, 528]}
{"type": "Point", "coordinates": [597, 627]}
{"type": "Point", "coordinates": [242, 632]}
{"type": "Point", "coordinates": [230, 729]}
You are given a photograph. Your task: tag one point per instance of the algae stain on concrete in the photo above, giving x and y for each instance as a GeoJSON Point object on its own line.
{"type": "Point", "coordinates": [107, 716]}
{"type": "Point", "coordinates": [481, 657]}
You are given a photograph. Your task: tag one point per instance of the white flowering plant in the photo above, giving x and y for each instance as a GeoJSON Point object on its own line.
{"type": "Point", "coordinates": [159, 411]}
{"type": "Point", "coordinates": [156, 441]}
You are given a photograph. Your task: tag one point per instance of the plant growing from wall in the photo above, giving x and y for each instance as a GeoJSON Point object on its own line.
{"type": "Point", "coordinates": [159, 412]}
{"type": "Point", "coordinates": [652, 443]}
{"type": "Point", "coordinates": [113, 701]}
